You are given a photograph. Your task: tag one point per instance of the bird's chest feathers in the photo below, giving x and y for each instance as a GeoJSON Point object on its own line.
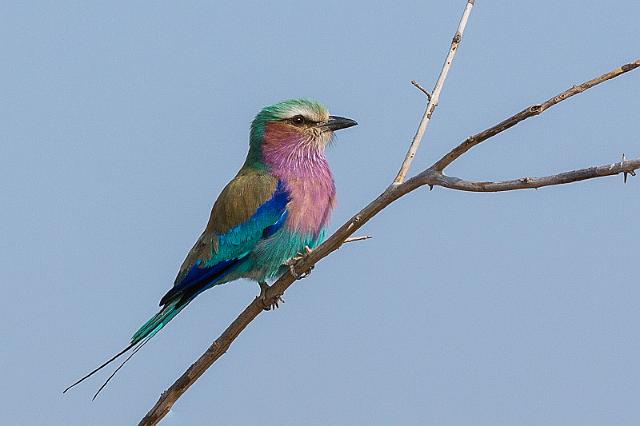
{"type": "Point", "coordinates": [303, 168]}
{"type": "Point", "coordinates": [312, 201]}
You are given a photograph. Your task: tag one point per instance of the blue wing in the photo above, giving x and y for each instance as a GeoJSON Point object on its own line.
{"type": "Point", "coordinates": [215, 261]}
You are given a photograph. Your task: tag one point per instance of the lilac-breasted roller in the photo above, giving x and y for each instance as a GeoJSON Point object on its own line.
{"type": "Point", "coordinates": [275, 208]}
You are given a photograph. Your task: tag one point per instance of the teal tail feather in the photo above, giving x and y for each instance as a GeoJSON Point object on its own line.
{"type": "Point", "coordinates": [139, 339]}
{"type": "Point", "coordinates": [158, 321]}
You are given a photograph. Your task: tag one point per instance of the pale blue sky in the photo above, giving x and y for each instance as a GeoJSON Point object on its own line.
{"type": "Point", "coordinates": [121, 121]}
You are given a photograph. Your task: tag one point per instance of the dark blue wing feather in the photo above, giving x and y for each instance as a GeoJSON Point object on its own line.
{"type": "Point", "coordinates": [197, 279]}
{"type": "Point", "coordinates": [272, 229]}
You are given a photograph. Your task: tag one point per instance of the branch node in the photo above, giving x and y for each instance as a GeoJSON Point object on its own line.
{"type": "Point", "coordinates": [535, 109]}
{"type": "Point", "coordinates": [625, 173]}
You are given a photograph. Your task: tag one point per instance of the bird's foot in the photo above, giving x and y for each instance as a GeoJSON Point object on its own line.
{"type": "Point", "coordinates": [291, 264]}
{"type": "Point", "coordinates": [267, 306]}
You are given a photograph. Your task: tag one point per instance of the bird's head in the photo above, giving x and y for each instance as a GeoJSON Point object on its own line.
{"type": "Point", "coordinates": [296, 125]}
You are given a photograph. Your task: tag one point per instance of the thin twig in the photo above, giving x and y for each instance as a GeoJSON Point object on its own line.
{"type": "Point", "coordinates": [360, 238]}
{"type": "Point", "coordinates": [434, 98]}
{"type": "Point", "coordinates": [528, 112]}
{"type": "Point", "coordinates": [422, 89]}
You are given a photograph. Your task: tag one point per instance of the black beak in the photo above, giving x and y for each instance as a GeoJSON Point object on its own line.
{"type": "Point", "coordinates": [337, 123]}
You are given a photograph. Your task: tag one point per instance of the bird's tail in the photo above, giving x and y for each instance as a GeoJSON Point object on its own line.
{"type": "Point", "coordinates": [139, 338]}
{"type": "Point", "coordinates": [159, 320]}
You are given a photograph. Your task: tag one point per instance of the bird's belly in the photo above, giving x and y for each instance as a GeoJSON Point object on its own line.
{"type": "Point", "coordinates": [271, 255]}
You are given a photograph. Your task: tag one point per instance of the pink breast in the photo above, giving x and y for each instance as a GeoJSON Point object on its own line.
{"type": "Point", "coordinates": [312, 201]}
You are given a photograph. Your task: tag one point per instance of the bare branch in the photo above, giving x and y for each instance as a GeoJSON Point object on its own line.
{"type": "Point", "coordinates": [528, 112]}
{"type": "Point", "coordinates": [435, 97]}
{"type": "Point", "coordinates": [215, 351]}
{"type": "Point", "coordinates": [434, 177]}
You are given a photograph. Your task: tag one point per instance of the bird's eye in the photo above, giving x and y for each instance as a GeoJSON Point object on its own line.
{"type": "Point", "coordinates": [298, 120]}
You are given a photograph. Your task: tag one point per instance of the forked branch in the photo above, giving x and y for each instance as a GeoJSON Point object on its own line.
{"type": "Point", "coordinates": [434, 97]}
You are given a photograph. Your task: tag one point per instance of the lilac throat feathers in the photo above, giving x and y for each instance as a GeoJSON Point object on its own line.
{"type": "Point", "coordinates": [300, 163]}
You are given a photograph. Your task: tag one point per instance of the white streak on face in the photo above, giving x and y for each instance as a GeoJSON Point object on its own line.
{"type": "Point", "coordinates": [311, 114]}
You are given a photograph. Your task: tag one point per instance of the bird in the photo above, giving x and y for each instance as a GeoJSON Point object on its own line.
{"type": "Point", "coordinates": [274, 210]}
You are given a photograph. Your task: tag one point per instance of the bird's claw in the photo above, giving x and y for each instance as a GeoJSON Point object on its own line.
{"type": "Point", "coordinates": [291, 264]}
{"type": "Point", "coordinates": [267, 306]}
